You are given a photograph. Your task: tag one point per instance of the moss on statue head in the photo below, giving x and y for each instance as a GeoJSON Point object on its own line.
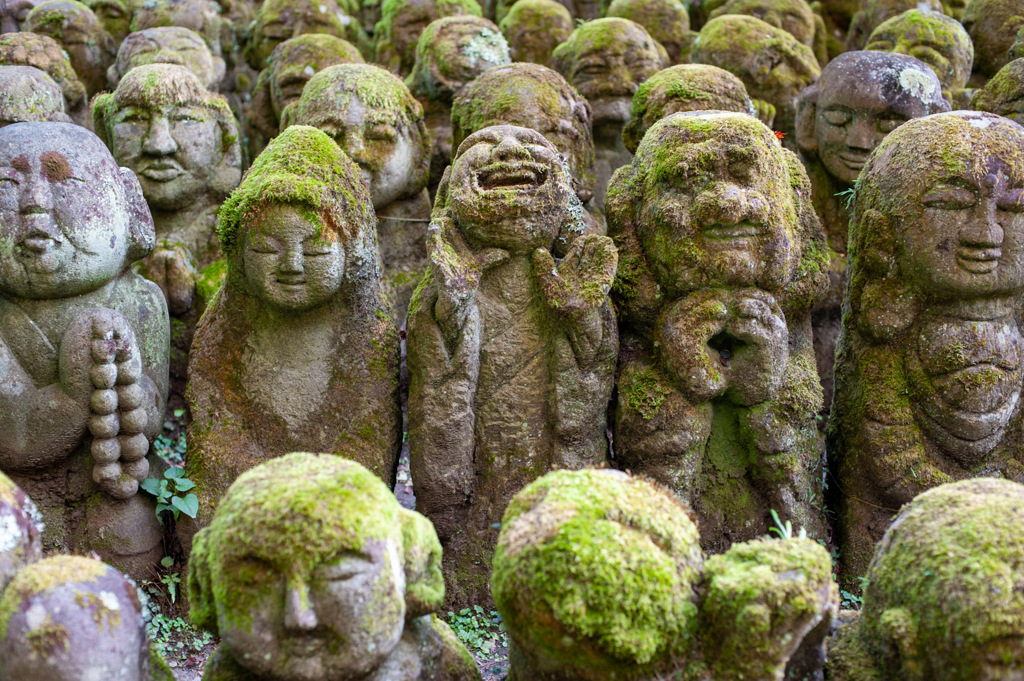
{"type": "Point", "coordinates": [451, 52]}
{"type": "Point", "coordinates": [44, 576]}
{"type": "Point", "coordinates": [601, 35]}
{"type": "Point", "coordinates": [534, 28]}
{"type": "Point", "coordinates": [314, 49]}
{"type": "Point", "coordinates": [918, 33]}
{"type": "Point", "coordinates": [665, 20]}
{"type": "Point", "coordinates": [1003, 95]}
{"type": "Point", "coordinates": [46, 54]}
{"type": "Point", "coordinates": [594, 570]}
{"type": "Point", "coordinates": [391, 9]}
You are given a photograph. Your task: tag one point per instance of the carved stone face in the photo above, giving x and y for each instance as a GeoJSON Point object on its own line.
{"type": "Point", "coordinates": [792, 16]}
{"type": "Point", "coordinates": [81, 35]}
{"type": "Point", "coordinates": [408, 24]}
{"type": "Point", "coordinates": [665, 20]}
{"type": "Point", "coordinates": [280, 20]}
{"type": "Point", "coordinates": [27, 94]}
{"type": "Point", "coordinates": [169, 45]}
{"type": "Point", "coordinates": [993, 27]}
{"type": "Point", "coordinates": [507, 187]}
{"type": "Point", "coordinates": [202, 16]}
{"type": "Point", "coordinates": [607, 60]}
{"type": "Point", "coordinates": [860, 101]}
{"type": "Point", "coordinates": [534, 28]}
{"type": "Point", "coordinates": [114, 15]}
{"type": "Point", "coordinates": [937, 40]}
{"type": "Point", "coordinates": [298, 59]}
{"type": "Point", "coordinates": [453, 51]}
{"type": "Point", "coordinates": [288, 261]}
{"type": "Point", "coordinates": [63, 212]}
{"type": "Point", "coordinates": [716, 208]}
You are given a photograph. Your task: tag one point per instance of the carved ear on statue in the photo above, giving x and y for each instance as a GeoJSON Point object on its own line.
{"type": "Point", "coordinates": [141, 231]}
{"type": "Point", "coordinates": [424, 585]}
{"type": "Point", "coordinates": [202, 610]}
{"type": "Point", "coordinates": [806, 112]}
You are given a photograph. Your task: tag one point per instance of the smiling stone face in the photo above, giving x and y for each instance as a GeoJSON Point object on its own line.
{"type": "Point", "coordinates": [937, 40]}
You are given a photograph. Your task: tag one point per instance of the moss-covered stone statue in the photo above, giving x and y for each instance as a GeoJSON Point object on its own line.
{"type": "Point", "coordinates": [298, 349]}
{"type": "Point", "coordinates": [291, 65]}
{"type": "Point", "coordinates": [793, 16]}
{"type": "Point", "coordinates": [80, 34]}
{"type": "Point", "coordinates": [939, 41]}
{"type": "Point", "coordinates": [44, 53]}
{"type": "Point", "coordinates": [511, 353]}
{"type": "Point", "coordinates": [773, 65]}
{"type": "Point", "coordinates": [402, 22]}
{"type": "Point", "coordinates": [928, 364]}
{"type": "Point", "coordinates": [69, 618]}
{"type": "Point", "coordinates": [534, 28]}
{"type": "Point", "coordinates": [451, 53]}
{"type": "Point", "coordinates": [536, 97]}
{"type": "Point", "coordinates": [993, 27]}
{"type": "Point", "coordinates": [312, 570]}
{"type": "Point", "coordinates": [665, 20]}
{"type": "Point", "coordinates": [1004, 93]}
{"type": "Point", "coordinates": [873, 13]}
{"type": "Point", "coordinates": [721, 261]}
{"type": "Point", "coordinates": [13, 14]}
{"type": "Point", "coordinates": [182, 143]}
{"type": "Point", "coordinates": [606, 60]}
{"type": "Point", "coordinates": [686, 87]}
{"type": "Point", "coordinates": [599, 577]}
{"type": "Point", "coordinates": [377, 122]}
{"type": "Point", "coordinates": [205, 17]}
{"type": "Point", "coordinates": [83, 342]}
{"type": "Point", "coordinates": [860, 98]}
{"type": "Point", "coordinates": [167, 45]}
{"type": "Point", "coordinates": [28, 95]}
{"type": "Point", "coordinates": [115, 16]}
{"type": "Point", "coordinates": [945, 596]}
{"type": "Point", "coordinates": [279, 20]}
{"type": "Point", "coordinates": [21, 530]}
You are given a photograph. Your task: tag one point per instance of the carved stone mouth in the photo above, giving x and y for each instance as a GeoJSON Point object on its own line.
{"type": "Point", "coordinates": [739, 230]}
{"type": "Point", "coordinates": [978, 260]}
{"type": "Point", "coordinates": [523, 176]}
{"type": "Point", "coordinates": [162, 171]}
{"type": "Point", "coordinates": [854, 161]}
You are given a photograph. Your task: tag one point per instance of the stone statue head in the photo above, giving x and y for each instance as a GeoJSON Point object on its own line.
{"type": "Point", "coordinates": [937, 218]}
{"type": "Point", "coordinates": [945, 591]}
{"type": "Point", "coordinates": [534, 28]}
{"type": "Point", "coordinates": [167, 45]}
{"type": "Point", "coordinates": [73, 25]}
{"type": "Point", "coordinates": [13, 14]}
{"type": "Point", "coordinates": [773, 65]}
{"type": "Point", "coordinates": [115, 16]}
{"type": "Point", "coordinates": [873, 12]}
{"type": "Point", "coordinates": [403, 21]}
{"type": "Point", "coordinates": [665, 20]}
{"type": "Point", "coordinates": [279, 20]}
{"type": "Point", "coordinates": [531, 96]}
{"type": "Point", "coordinates": [300, 227]}
{"type": "Point", "coordinates": [180, 139]}
{"type": "Point", "coordinates": [451, 52]}
{"type": "Point", "coordinates": [311, 569]}
{"type": "Point", "coordinates": [21, 531]}
{"type": "Point", "coordinates": [45, 54]}
{"type": "Point", "coordinates": [993, 27]}
{"type": "Point", "coordinates": [1003, 94]}
{"type": "Point", "coordinates": [291, 65]}
{"type": "Point", "coordinates": [375, 120]}
{"type": "Point", "coordinates": [202, 16]}
{"type": "Point", "coordinates": [29, 95]}
{"type": "Point", "coordinates": [71, 220]}
{"type": "Point", "coordinates": [860, 98]}
{"type": "Point", "coordinates": [69, 618]}
{"type": "Point", "coordinates": [686, 87]}
{"type": "Point", "coordinates": [607, 60]}
{"type": "Point", "coordinates": [507, 188]}
{"type": "Point", "coordinates": [793, 16]}
{"type": "Point", "coordinates": [939, 41]}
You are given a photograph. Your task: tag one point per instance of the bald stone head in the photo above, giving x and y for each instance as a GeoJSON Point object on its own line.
{"type": "Point", "coordinates": [29, 95]}
{"type": "Point", "coordinates": [939, 41]}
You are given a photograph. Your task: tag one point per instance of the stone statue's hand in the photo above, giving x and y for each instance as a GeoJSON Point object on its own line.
{"type": "Point", "coordinates": [170, 268]}
{"type": "Point", "coordinates": [457, 270]}
{"type": "Point", "coordinates": [580, 282]}
{"type": "Point", "coordinates": [117, 406]}
{"type": "Point", "coordinates": [683, 339]}
{"type": "Point", "coordinates": [759, 357]}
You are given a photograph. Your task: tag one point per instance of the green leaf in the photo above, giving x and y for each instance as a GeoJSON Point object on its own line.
{"type": "Point", "coordinates": [151, 485]}
{"type": "Point", "coordinates": [174, 473]}
{"type": "Point", "coordinates": [160, 508]}
{"type": "Point", "coordinates": [167, 561]}
{"type": "Point", "coordinates": [189, 505]}
{"type": "Point", "coordinates": [178, 413]}
{"type": "Point", "coordinates": [184, 484]}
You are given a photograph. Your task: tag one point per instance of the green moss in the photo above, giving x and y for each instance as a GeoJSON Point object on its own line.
{"type": "Point", "coordinates": [908, 32]}
{"type": "Point", "coordinates": [211, 278]}
{"type": "Point", "coordinates": [1003, 93]}
{"type": "Point", "coordinates": [645, 392]}
{"type": "Point", "coordinates": [43, 576]}
{"type": "Point", "coordinates": [43, 52]}
{"type": "Point", "coordinates": [390, 10]}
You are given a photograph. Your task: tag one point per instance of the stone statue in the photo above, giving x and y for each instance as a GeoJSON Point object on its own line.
{"type": "Point", "coordinates": [21, 530]}
{"type": "Point", "coordinates": [928, 364]}
{"type": "Point", "coordinates": [311, 570]}
{"type": "Point", "coordinates": [83, 342]}
{"type": "Point", "coordinates": [686, 87]}
{"type": "Point", "coordinates": [114, 15]}
{"type": "Point", "coordinates": [793, 16]}
{"type": "Point", "coordinates": [722, 259]}
{"type": "Point", "coordinates": [80, 34]}
{"type": "Point", "coordinates": [873, 13]}
{"type": "Point", "coordinates": [993, 26]}
{"type": "Point", "coordinates": [665, 20]}
{"type": "Point", "coordinates": [1004, 93]}
{"type": "Point", "coordinates": [859, 99]}
{"type": "Point", "coordinates": [377, 122]}
{"type": "Point", "coordinates": [279, 20]}
{"type": "Point", "coordinates": [68, 618]}
{"type": "Point", "coordinates": [168, 45]}
{"type": "Point", "coordinates": [773, 64]}
{"type": "Point", "coordinates": [944, 599]}
{"type": "Point", "coordinates": [402, 22]}
{"type": "Point", "coordinates": [204, 17]}
{"type": "Point", "coordinates": [607, 60]}
{"type": "Point", "coordinates": [599, 577]}
{"type": "Point", "coordinates": [511, 354]}
{"type": "Point", "coordinates": [297, 349]}
{"type": "Point", "coordinates": [45, 54]}
{"type": "Point", "coordinates": [13, 14]}
{"type": "Point", "coordinates": [451, 53]}
{"type": "Point", "coordinates": [28, 95]}
{"type": "Point", "coordinates": [535, 97]}
{"type": "Point", "coordinates": [534, 28]}
{"type": "Point", "coordinates": [939, 41]}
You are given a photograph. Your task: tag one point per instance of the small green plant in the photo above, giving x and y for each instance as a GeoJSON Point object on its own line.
{"type": "Point", "coordinates": [785, 531]}
{"type": "Point", "coordinates": [167, 491]}
{"type": "Point", "coordinates": [171, 636]}
{"type": "Point", "coordinates": [172, 449]}
{"type": "Point", "coordinates": [850, 601]}
{"type": "Point", "coordinates": [479, 630]}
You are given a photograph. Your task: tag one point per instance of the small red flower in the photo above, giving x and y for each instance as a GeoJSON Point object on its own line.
{"type": "Point", "coordinates": [780, 135]}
